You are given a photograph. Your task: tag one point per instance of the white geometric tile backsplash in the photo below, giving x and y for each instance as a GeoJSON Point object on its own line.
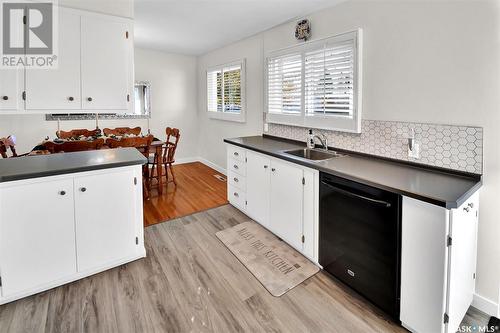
{"type": "Point", "coordinates": [446, 146]}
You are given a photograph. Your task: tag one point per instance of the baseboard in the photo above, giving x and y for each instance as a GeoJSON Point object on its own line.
{"type": "Point", "coordinates": [487, 306]}
{"type": "Point", "coordinates": [212, 165]}
{"type": "Point", "coordinates": [186, 160]}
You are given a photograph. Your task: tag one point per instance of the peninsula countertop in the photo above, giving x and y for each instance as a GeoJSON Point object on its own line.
{"type": "Point", "coordinates": [27, 167]}
{"type": "Point", "coordinates": [439, 187]}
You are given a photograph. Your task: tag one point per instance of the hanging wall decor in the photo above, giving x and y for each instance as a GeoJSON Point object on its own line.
{"type": "Point", "coordinates": [303, 30]}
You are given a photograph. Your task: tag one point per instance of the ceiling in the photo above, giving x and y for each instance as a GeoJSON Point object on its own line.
{"type": "Point", "coordinates": [195, 27]}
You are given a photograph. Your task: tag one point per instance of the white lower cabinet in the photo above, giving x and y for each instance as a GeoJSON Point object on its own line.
{"type": "Point", "coordinates": [105, 229]}
{"type": "Point", "coordinates": [438, 263]}
{"type": "Point", "coordinates": [58, 229]}
{"type": "Point", "coordinates": [258, 187]}
{"type": "Point", "coordinates": [279, 195]}
{"type": "Point", "coordinates": [37, 234]}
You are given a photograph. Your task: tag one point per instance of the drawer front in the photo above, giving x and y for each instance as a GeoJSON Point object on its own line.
{"type": "Point", "coordinates": [237, 166]}
{"type": "Point", "coordinates": [237, 180]}
{"type": "Point", "coordinates": [236, 196]}
{"type": "Point", "coordinates": [236, 153]}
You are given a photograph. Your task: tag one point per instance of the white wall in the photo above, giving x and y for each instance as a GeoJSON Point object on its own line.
{"type": "Point", "coordinates": [424, 61]}
{"type": "Point", "coordinates": [173, 83]}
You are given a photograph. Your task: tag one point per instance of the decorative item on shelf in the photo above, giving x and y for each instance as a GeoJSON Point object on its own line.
{"type": "Point", "coordinates": [98, 134]}
{"type": "Point", "coordinates": [303, 30]}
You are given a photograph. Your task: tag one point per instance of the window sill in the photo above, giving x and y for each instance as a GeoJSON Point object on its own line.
{"type": "Point", "coordinates": [351, 125]}
{"type": "Point", "coordinates": [239, 117]}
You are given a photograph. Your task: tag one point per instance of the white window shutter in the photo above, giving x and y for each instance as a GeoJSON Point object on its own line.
{"type": "Point", "coordinates": [329, 80]}
{"type": "Point", "coordinates": [284, 84]}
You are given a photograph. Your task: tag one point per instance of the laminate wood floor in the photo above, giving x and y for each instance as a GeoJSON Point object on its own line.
{"type": "Point", "coordinates": [190, 282]}
{"type": "Point", "coordinates": [197, 190]}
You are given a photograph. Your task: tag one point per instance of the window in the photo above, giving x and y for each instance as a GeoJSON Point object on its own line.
{"type": "Point", "coordinates": [317, 84]}
{"type": "Point", "coordinates": [225, 92]}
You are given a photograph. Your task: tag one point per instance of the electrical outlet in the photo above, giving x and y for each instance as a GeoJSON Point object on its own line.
{"type": "Point", "coordinates": [415, 152]}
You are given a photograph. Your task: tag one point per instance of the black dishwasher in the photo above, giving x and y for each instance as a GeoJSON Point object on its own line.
{"type": "Point", "coordinates": [359, 239]}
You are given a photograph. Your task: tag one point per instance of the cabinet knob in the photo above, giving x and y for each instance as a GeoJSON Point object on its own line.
{"type": "Point", "coordinates": [71, 98]}
{"type": "Point", "coordinates": [83, 189]}
{"type": "Point", "coordinates": [266, 166]}
{"type": "Point", "coordinates": [62, 193]}
{"type": "Point", "coordinates": [236, 194]}
{"type": "Point", "coordinates": [5, 98]}
{"type": "Point", "coordinates": [236, 167]}
{"type": "Point", "coordinates": [471, 205]}
{"type": "Point", "coordinates": [273, 169]}
{"type": "Point", "coordinates": [236, 154]}
{"type": "Point", "coordinates": [89, 99]}
{"type": "Point", "coordinates": [236, 180]}
{"type": "Point", "coordinates": [467, 209]}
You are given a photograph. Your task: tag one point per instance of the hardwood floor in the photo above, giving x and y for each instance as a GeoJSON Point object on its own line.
{"type": "Point", "coordinates": [190, 282]}
{"type": "Point", "coordinates": [197, 190]}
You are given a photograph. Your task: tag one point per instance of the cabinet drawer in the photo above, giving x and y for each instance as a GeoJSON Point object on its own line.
{"type": "Point", "coordinates": [237, 180]}
{"type": "Point", "coordinates": [236, 196]}
{"type": "Point", "coordinates": [236, 153]}
{"type": "Point", "coordinates": [237, 166]}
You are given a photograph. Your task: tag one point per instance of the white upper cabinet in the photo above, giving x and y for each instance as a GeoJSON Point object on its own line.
{"type": "Point", "coordinates": [10, 90]}
{"type": "Point", "coordinates": [59, 88]}
{"type": "Point", "coordinates": [94, 71]}
{"type": "Point", "coordinates": [106, 48]}
{"type": "Point", "coordinates": [286, 209]}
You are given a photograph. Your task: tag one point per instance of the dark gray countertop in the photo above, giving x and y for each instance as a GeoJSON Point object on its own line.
{"type": "Point", "coordinates": [56, 164]}
{"type": "Point", "coordinates": [445, 189]}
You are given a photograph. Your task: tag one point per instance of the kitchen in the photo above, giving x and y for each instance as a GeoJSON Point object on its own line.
{"type": "Point", "coordinates": [415, 136]}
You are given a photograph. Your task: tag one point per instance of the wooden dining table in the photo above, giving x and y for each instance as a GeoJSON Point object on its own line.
{"type": "Point", "coordinates": [156, 147]}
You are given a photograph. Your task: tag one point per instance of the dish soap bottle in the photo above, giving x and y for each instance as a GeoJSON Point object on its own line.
{"type": "Point", "coordinates": [310, 140]}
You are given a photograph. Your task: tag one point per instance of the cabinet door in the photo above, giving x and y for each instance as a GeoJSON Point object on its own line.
{"type": "Point", "coordinates": [258, 185]}
{"type": "Point", "coordinates": [105, 211]}
{"type": "Point", "coordinates": [286, 202]}
{"type": "Point", "coordinates": [462, 261]}
{"type": "Point", "coordinates": [105, 64]}
{"type": "Point", "coordinates": [10, 89]}
{"type": "Point", "coordinates": [37, 235]}
{"type": "Point", "coordinates": [58, 88]}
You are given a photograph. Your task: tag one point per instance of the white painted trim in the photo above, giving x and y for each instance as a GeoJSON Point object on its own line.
{"type": "Point", "coordinates": [487, 306]}
{"type": "Point", "coordinates": [201, 160]}
{"type": "Point", "coordinates": [212, 165]}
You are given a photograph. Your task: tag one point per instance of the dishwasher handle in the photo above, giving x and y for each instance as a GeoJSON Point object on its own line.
{"type": "Point", "coordinates": [357, 196]}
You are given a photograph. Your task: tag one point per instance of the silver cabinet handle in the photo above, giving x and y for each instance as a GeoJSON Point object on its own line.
{"type": "Point", "coordinates": [467, 209]}
{"type": "Point", "coordinates": [236, 167]}
{"type": "Point", "coordinates": [471, 205]}
{"type": "Point", "coordinates": [236, 179]}
{"type": "Point", "coordinates": [236, 194]}
{"type": "Point", "coordinates": [83, 189]}
{"type": "Point", "coordinates": [62, 193]}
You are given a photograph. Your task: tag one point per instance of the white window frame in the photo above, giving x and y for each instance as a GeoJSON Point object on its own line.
{"type": "Point", "coordinates": [330, 122]}
{"type": "Point", "coordinates": [237, 117]}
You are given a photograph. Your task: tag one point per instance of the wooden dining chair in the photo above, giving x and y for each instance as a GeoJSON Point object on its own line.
{"type": "Point", "coordinates": [73, 146]}
{"type": "Point", "coordinates": [6, 144]}
{"type": "Point", "coordinates": [120, 131]}
{"type": "Point", "coordinates": [73, 134]}
{"type": "Point", "coordinates": [143, 145]}
{"type": "Point", "coordinates": [168, 155]}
